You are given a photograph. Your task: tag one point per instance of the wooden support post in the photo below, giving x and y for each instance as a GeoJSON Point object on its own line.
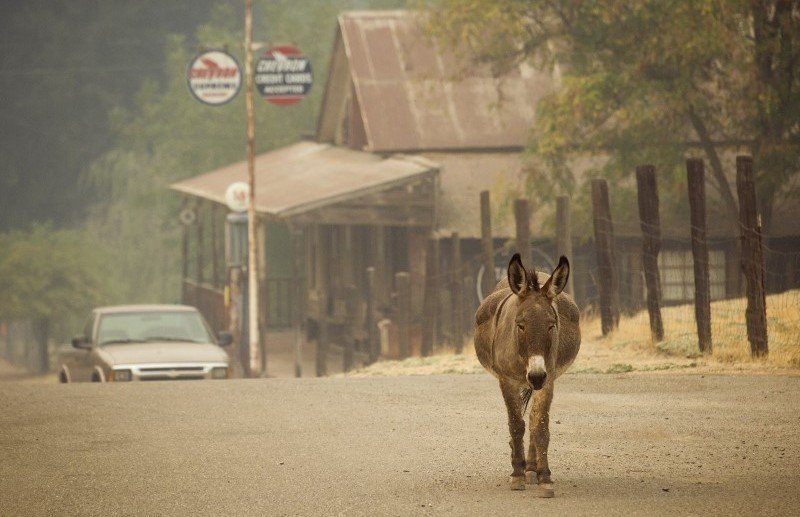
{"type": "Point", "coordinates": [702, 288]}
{"type": "Point", "coordinates": [215, 279]}
{"type": "Point", "coordinates": [297, 301]}
{"type": "Point", "coordinates": [752, 257]}
{"type": "Point", "coordinates": [199, 244]}
{"type": "Point", "coordinates": [322, 347]}
{"type": "Point", "coordinates": [604, 243]}
{"type": "Point", "coordinates": [522, 218]}
{"type": "Point", "coordinates": [442, 296]}
{"type": "Point", "coordinates": [351, 297]}
{"type": "Point", "coordinates": [348, 274]}
{"type": "Point", "coordinates": [430, 304]}
{"type": "Point", "coordinates": [564, 235]}
{"type": "Point", "coordinates": [380, 265]}
{"type": "Point", "coordinates": [184, 255]}
{"type": "Point", "coordinates": [347, 356]}
{"type": "Point", "coordinates": [321, 243]}
{"type": "Point", "coordinates": [402, 282]}
{"type": "Point", "coordinates": [374, 346]}
{"type": "Point", "coordinates": [347, 260]}
{"type": "Point", "coordinates": [651, 245]}
{"type": "Point", "coordinates": [456, 277]}
{"type": "Point", "coordinates": [487, 246]}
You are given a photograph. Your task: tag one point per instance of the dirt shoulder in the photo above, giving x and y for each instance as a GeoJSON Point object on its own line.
{"type": "Point", "coordinates": [609, 355]}
{"type": "Point", "coordinates": [11, 372]}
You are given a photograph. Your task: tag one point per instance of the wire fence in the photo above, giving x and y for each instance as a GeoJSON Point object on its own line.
{"type": "Point", "coordinates": [727, 292]}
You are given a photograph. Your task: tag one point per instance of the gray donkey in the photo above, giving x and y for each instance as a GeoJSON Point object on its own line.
{"type": "Point", "coordinates": [527, 335]}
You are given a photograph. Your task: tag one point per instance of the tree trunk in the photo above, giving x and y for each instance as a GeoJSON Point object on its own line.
{"type": "Point", "coordinates": [717, 171]}
{"type": "Point", "coordinates": [41, 330]}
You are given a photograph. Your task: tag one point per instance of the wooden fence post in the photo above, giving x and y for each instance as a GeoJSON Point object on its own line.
{"type": "Point", "coordinates": [468, 316]}
{"type": "Point", "coordinates": [372, 319]}
{"type": "Point", "coordinates": [522, 217]}
{"type": "Point", "coordinates": [651, 244]}
{"type": "Point", "coordinates": [604, 243]}
{"type": "Point", "coordinates": [458, 295]}
{"type": "Point", "coordinates": [430, 311]}
{"type": "Point", "coordinates": [402, 281]}
{"type": "Point", "coordinates": [487, 245]}
{"type": "Point", "coordinates": [752, 257]}
{"type": "Point", "coordinates": [702, 290]}
{"type": "Point", "coordinates": [564, 235]}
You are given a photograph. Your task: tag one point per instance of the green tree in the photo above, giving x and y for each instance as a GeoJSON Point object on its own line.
{"type": "Point", "coordinates": [51, 278]}
{"type": "Point", "coordinates": [63, 66]}
{"type": "Point", "coordinates": [639, 80]}
{"type": "Point", "coordinates": [167, 136]}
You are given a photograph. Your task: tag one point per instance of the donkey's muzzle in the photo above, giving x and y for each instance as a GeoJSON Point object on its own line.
{"type": "Point", "coordinates": [536, 379]}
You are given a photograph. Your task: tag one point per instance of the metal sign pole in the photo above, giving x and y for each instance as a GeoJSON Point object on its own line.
{"type": "Point", "coordinates": [252, 263]}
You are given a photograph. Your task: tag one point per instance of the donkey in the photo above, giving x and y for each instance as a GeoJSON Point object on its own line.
{"type": "Point", "coordinates": [527, 335]}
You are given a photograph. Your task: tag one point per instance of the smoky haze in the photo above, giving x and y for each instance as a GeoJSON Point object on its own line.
{"type": "Point", "coordinates": [63, 68]}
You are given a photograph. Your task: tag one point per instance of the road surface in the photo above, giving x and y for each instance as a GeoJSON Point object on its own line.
{"type": "Point", "coordinates": [621, 444]}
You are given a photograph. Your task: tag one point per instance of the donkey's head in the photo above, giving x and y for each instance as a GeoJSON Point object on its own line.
{"type": "Point", "coordinates": [536, 321]}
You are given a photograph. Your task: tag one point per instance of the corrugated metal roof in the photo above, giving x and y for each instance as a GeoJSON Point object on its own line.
{"type": "Point", "coordinates": [414, 96]}
{"type": "Point", "coordinates": [309, 175]}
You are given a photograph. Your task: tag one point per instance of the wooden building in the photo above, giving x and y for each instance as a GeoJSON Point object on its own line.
{"type": "Point", "coordinates": [406, 140]}
{"type": "Point", "coordinates": [407, 137]}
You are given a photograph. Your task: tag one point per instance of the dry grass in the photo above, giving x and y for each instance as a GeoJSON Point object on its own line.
{"type": "Point", "coordinates": [728, 334]}
{"type": "Point", "coordinates": [630, 348]}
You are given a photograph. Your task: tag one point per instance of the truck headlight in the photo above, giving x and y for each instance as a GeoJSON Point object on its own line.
{"type": "Point", "coordinates": [220, 372]}
{"type": "Point", "coordinates": [122, 375]}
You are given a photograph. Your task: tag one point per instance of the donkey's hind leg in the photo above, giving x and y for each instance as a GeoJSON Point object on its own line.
{"type": "Point", "coordinates": [516, 426]}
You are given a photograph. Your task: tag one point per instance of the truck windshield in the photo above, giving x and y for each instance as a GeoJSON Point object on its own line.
{"type": "Point", "coordinates": [144, 327]}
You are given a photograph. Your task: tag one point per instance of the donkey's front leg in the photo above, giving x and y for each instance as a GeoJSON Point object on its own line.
{"type": "Point", "coordinates": [540, 438]}
{"type": "Point", "coordinates": [516, 426]}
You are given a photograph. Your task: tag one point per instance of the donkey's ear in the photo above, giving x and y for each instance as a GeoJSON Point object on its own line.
{"type": "Point", "coordinates": [518, 279]}
{"type": "Point", "coordinates": [558, 280]}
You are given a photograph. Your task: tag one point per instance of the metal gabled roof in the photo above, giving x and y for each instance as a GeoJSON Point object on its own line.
{"type": "Point", "coordinates": [414, 96]}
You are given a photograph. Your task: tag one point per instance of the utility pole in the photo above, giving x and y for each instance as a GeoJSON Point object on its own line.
{"type": "Point", "coordinates": [252, 263]}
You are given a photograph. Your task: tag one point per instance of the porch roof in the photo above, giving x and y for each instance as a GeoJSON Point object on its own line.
{"type": "Point", "coordinates": [308, 175]}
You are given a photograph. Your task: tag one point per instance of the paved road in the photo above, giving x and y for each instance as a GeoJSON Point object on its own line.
{"type": "Point", "coordinates": [629, 444]}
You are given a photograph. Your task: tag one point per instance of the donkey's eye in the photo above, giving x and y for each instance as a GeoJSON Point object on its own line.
{"type": "Point", "coordinates": [550, 329]}
{"type": "Point", "coordinates": [521, 327]}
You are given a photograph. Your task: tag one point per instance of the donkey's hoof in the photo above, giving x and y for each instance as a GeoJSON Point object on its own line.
{"type": "Point", "coordinates": [530, 477]}
{"type": "Point", "coordinates": [517, 482]}
{"type": "Point", "coordinates": [544, 490]}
